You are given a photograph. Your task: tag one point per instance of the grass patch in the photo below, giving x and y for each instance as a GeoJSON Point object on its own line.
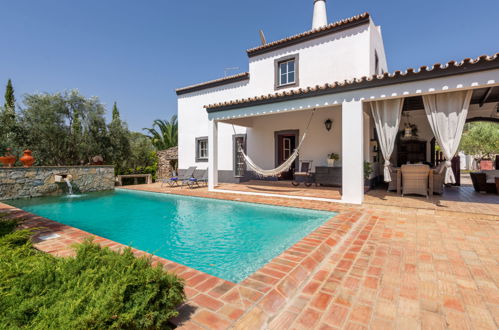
{"type": "Point", "coordinates": [96, 289]}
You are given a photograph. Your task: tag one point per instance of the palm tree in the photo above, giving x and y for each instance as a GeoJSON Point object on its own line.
{"type": "Point", "coordinates": [164, 133]}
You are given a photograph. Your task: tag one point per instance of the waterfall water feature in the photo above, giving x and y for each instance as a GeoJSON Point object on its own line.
{"type": "Point", "coordinates": [71, 194]}
{"type": "Point", "coordinates": [70, 187]}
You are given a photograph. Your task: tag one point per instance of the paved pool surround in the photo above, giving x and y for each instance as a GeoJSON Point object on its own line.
{"type": "Point", "coordinates": [21, 182]}
{"type": "Point", "coordinates": [389, 268]}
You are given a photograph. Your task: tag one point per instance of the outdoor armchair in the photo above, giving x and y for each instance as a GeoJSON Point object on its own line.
{"type": "Point", "coordinates": [438, 179]}
{"type": "Point", "coordinates": [479, 180]}
{"type": "Point", "coordinates": [395, 177]}
{"type": "Point", "coordinates": [304, 174]}
{"type": "Point", "coordinates": [416, 179]}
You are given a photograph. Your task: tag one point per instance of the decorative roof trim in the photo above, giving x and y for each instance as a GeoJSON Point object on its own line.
{"type": "Point", "coordinates": [213, 83]}
{"type": "Point", "coordinates": [347, 23]}
{"type": "Point", "coordinates": [467, 65]}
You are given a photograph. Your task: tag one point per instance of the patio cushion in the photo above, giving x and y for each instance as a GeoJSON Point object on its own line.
{"type": "Point", "coordinates": [491, 175]}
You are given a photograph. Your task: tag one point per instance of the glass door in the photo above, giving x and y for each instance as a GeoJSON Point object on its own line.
{"type": "Point", "coordinates": [239, 161]}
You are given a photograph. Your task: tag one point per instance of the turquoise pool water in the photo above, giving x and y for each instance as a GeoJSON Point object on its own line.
{"type": "Point", "coordinates": [230, 240]}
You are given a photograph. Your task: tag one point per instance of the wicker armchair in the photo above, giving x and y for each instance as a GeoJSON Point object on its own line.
{"type": "Point", "coordinates": [416, 179]}
{"type": "Point", "coordinates": [394, 185]}
{"type": "Point", "coordinates": [438, 182]}
{"type": "Point", "coordinates": [438, 179]}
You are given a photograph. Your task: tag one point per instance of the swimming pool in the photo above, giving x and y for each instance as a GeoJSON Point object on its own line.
{"type": "Point", "coordinates": [227, 239]}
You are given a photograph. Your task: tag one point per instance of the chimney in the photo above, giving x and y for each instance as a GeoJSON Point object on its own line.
{"type": "Point", "coordinates": [320, 14]}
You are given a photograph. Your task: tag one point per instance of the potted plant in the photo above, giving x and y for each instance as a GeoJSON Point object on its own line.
{"type": "Point", "coordinates": [486, 164]}
{"type": "Point", "coordinates": [331, 158]}
{"type": "Point", "coordinates": [368, 170]}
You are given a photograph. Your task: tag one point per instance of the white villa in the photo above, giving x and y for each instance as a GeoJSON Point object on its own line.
{"type": "Point", "coordinates": [340, 70]}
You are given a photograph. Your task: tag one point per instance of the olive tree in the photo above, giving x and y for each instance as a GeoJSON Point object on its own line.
{"type": "Point", "coordinates": [480, 139]}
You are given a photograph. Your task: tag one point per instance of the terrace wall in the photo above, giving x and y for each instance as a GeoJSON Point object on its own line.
{"type": "Point", "coordinates": [20, 182]}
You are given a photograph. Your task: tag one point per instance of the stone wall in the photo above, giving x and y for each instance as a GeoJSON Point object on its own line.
{"type": "Point", "coordinates": [165, 158]}
{"type": "Point", "coordinates": [19, 182]}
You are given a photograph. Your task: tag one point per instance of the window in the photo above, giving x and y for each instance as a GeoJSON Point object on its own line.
{"type": "Point", "coordinates": [202, 149]}
{"type": "Point", "coordinates": [286, 72]}
{"type": "Point", "coordinates": [286, 148]}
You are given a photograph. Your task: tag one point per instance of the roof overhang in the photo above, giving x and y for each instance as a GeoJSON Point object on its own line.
{"type": "Point", "coordinates": [437, 72]}
{"type": "Point", "coordinates": [439, 84]}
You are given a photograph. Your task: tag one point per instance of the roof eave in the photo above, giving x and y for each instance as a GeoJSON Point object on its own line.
{"type": "Point", "coordinates": [213, 83]}
{"type": "Point", "coordinates": [310, 35]}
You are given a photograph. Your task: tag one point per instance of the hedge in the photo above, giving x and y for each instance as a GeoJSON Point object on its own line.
{"type": "Point", "coordinates": [96, 289]}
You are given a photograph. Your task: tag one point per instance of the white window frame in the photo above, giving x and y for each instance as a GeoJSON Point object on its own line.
{"type": "Point", "coordinates": [282, 70]}
{"type": "Point", "coordinates": [287, 73]}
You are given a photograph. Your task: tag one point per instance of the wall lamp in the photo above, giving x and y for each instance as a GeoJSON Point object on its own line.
{"type": "Point", "coordinates": [328, 124]}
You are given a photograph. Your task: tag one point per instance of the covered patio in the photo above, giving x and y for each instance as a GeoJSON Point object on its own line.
{"type": "Point", "coordinates": [462, 200]}
{"type": "Point", "coordinates": [350, 105]}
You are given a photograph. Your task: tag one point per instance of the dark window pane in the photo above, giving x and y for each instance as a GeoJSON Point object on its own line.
{"type": "Point", "coordinates": [291, 77]}
{"type": "Point", "coordinates": [283, 68]}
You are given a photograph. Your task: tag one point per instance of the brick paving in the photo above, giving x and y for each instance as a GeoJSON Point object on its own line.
{"type": "Point", "coordinates": [463, 199]}
{"type": "Point", "coordinates": [365, 268]}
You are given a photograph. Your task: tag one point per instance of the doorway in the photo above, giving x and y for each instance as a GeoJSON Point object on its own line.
{"type": "Point", "coordinates": [285, 146]}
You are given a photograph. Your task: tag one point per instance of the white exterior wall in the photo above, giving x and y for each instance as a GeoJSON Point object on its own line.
{"type": "Point", "coordinates": [335, 57]}
{"type": "Point", "coordinates": [193, 122]}
{"type": "Point", "coordinates": [378, 47]}
{"type": "Point", "coordinates": [318, 144]}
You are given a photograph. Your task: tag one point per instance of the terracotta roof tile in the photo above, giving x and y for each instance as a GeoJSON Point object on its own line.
{"type": "Point", "coordinates": [483, 62]}
{"type": "Point", "coordinates": [213, 83]}
{"type": "Point", "coordinates": [311, 34]}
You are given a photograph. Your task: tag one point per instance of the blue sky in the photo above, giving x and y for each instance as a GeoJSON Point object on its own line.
{"type": "Point", "coordinates": [138, 52]}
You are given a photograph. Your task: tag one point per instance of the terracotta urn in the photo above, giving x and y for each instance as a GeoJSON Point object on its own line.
{"type": "Point", "coordinates": [9, 159]}
{"type": "Point", "coordinates": [27, 159]}
{"type": "Point", "coordinates": [486, 164]}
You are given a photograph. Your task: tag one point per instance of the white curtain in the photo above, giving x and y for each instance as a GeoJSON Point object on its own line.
{"type": "Point", "coordinates": [386, 116]}
{"type": "Point", "coordinates": [447, 113]}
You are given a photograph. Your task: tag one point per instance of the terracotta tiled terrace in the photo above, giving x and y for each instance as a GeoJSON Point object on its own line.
{"type": "Point", "coordinates": [367, 268]}
{"type": "Point", "coordinates": [454, 202]}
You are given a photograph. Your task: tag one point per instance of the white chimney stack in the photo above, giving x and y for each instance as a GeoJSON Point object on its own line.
{"type": "Point", "coordinates": [320, 14]}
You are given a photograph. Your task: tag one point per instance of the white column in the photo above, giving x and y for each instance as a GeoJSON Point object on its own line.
{"type": "Point", "coordinates": [212, 154]}
{"type": "Point", "coordinates": [352, 120]}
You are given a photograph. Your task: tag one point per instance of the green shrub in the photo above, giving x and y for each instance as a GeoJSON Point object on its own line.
{"type": "Point", "coordinates": [96, 289]}
{"type": "Point", "coordinates": [6, 226]}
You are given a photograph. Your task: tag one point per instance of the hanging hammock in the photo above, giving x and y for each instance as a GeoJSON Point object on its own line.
{"type": "Point", "coordinates": [286, 165]}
